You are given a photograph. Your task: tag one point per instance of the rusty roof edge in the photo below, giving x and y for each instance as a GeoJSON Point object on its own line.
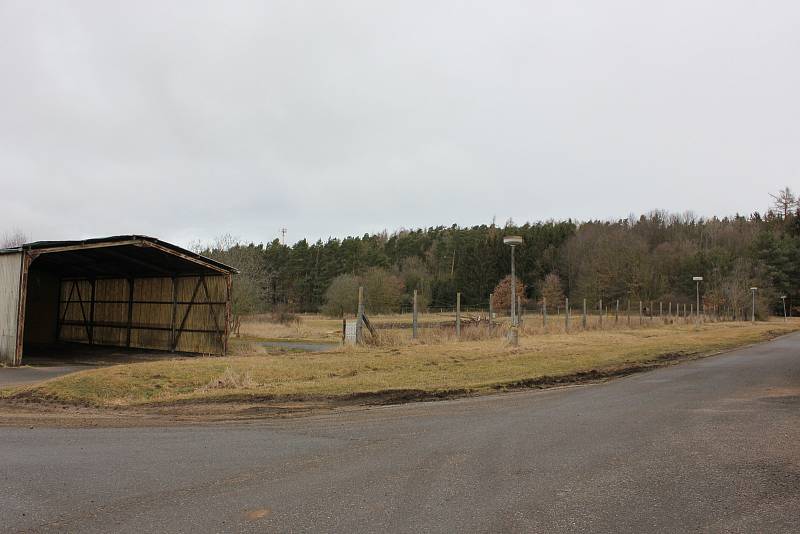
{"type": "Point", "coordinates": [43, 245]}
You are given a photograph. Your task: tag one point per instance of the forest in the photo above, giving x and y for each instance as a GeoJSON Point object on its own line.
{"type": "Point", "coordinates": [651, 257]}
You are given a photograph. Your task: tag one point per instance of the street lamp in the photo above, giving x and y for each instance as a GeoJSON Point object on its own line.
{"type": "Point", "coordinates": [513, 241]}
{"type": "Point", "coordinates": [753, 314]}
{"type": "Point", "coordinates": [698, 279]}
{"type": "Point", "coordinates": [783, 299]}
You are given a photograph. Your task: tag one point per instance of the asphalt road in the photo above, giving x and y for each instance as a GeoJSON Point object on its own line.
{"type": "Point", "coordinates": [713, 445]}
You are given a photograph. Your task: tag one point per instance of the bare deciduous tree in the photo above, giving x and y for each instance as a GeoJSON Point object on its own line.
{"type": "Point", "coordinates": [784, 201]}
{"type": "Point", "coordinates": [14, 238]}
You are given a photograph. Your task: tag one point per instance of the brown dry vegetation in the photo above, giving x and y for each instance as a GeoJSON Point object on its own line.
{"type": "Point", "coordinates": [417, 369]}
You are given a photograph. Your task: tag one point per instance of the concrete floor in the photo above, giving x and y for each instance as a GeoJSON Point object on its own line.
{"type": "Point", "coordinates": [42, 363]}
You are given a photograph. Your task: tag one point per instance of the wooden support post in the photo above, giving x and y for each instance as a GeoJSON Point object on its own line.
{"type": "Point", "coordinates": [92, 299]}
{"type": "Point", "coordinates": [414, 318]}
{"type": "Point", "coordinates": [566, 314]}
{"type": "Point", "coordinates": [641, 320]}
{"type": "Point", "coordinates": [58, 308]}
{"type": "Point", "coordinates": [130, 315]}
{"type": "Point", "coordinates": [83, 313]}
{"type": "Point", "coordinates": [174, 313]}
{"type": "Point", "coordinates": [491, 309]}
{"type": "Point", "coordinates": [544, 312]}
{"type": "Point", "coordinates": [616, 314]}
{"type": "Point", "coordinates": [360, 315]}
{"type": "Point", "coordinates": [26, 260]}
{"type": "Point", "coordinates": [228, 311]}
{"type": "Point", "coordinates": [458, 314]}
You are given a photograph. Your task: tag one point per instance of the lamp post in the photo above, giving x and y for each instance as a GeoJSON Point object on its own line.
{"type": "Point", "coordinates": [753, 313]}
{"type": "Point", "coordinates": [783, 299]}
{"type": "Point", "coordinates": [697, 280]}
{"type": "Point", "coordinates": [513, 241]}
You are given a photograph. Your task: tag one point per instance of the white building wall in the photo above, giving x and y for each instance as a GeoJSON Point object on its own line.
{"type": "Point", "coordinates": [10, 267]}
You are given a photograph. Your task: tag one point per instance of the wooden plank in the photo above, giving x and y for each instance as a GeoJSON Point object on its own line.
{"type": "Point", "coordinates": [186, 315]}
{"type": "Point", "coordinates": [10, 279]}
{"type": "Point", "coordinates": [83, 313]}
{"type": "Point", "coordinates": [228, 291]}
{"type": "Point", "coordinates": [174, 314]}
{"type": "Point", "coordinates": [91, 313]}
{"type": "Point", "coordinates": [131, 284]}
{"type": "Point", "coordinates": [23, 295]}
{"type": "Point", "coordinates": [184, 256]}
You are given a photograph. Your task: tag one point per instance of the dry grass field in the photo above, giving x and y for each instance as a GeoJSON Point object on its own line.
{"type": "Point", "coordinates": [315, 327]}
{"type": "Point", "coordinates": [398, 371]}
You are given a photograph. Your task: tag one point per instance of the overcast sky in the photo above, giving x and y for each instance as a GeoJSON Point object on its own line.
{"type": "Point", "coordinates": [187, 120]}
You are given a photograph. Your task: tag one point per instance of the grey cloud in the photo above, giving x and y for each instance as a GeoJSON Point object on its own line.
{"type": "Point", "coordinates": [187, 119]}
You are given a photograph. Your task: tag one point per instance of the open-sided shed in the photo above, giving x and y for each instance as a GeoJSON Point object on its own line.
{"type": "Point", "coordinates": [125, 291]}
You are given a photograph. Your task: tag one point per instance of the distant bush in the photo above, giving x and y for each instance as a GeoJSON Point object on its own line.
{"type": "Point", "coordinates": [382, 293]}
{"type": "Point", "coordinates": [501, 298]}
{"type": "Point", "coordinates": [341, 298]}
{"type": "Point", "coordinates": [282, 315]}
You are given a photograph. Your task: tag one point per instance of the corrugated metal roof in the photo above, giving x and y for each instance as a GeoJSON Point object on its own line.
{"type": "Point", "coordinates": [43, 246]}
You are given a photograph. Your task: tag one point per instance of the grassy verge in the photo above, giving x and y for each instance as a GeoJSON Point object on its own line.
{"type": "Point", "coordinates": [416, 370]}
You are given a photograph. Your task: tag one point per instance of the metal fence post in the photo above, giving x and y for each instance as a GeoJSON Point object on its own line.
{"type": "Point", "coordinates": [458, 314]}
{"type": "Point", "coordinates": [414, 318]}
{"type": "Point", "coordinates": [544, 312]}
{"type": "Point", "coordinates": [583, 321]}
{"type": "Point", "coordinates": [601, 314]}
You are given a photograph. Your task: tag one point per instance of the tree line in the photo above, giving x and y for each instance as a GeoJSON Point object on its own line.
{"type": "Point", "coordinates": [652, 257]}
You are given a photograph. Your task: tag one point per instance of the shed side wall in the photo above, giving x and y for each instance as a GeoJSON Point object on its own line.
{"type": "Point", "coordinates": [10, 268]}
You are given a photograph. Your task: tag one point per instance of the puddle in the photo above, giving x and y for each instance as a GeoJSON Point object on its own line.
{"type": "Point", "coordinates": [299, 345]}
